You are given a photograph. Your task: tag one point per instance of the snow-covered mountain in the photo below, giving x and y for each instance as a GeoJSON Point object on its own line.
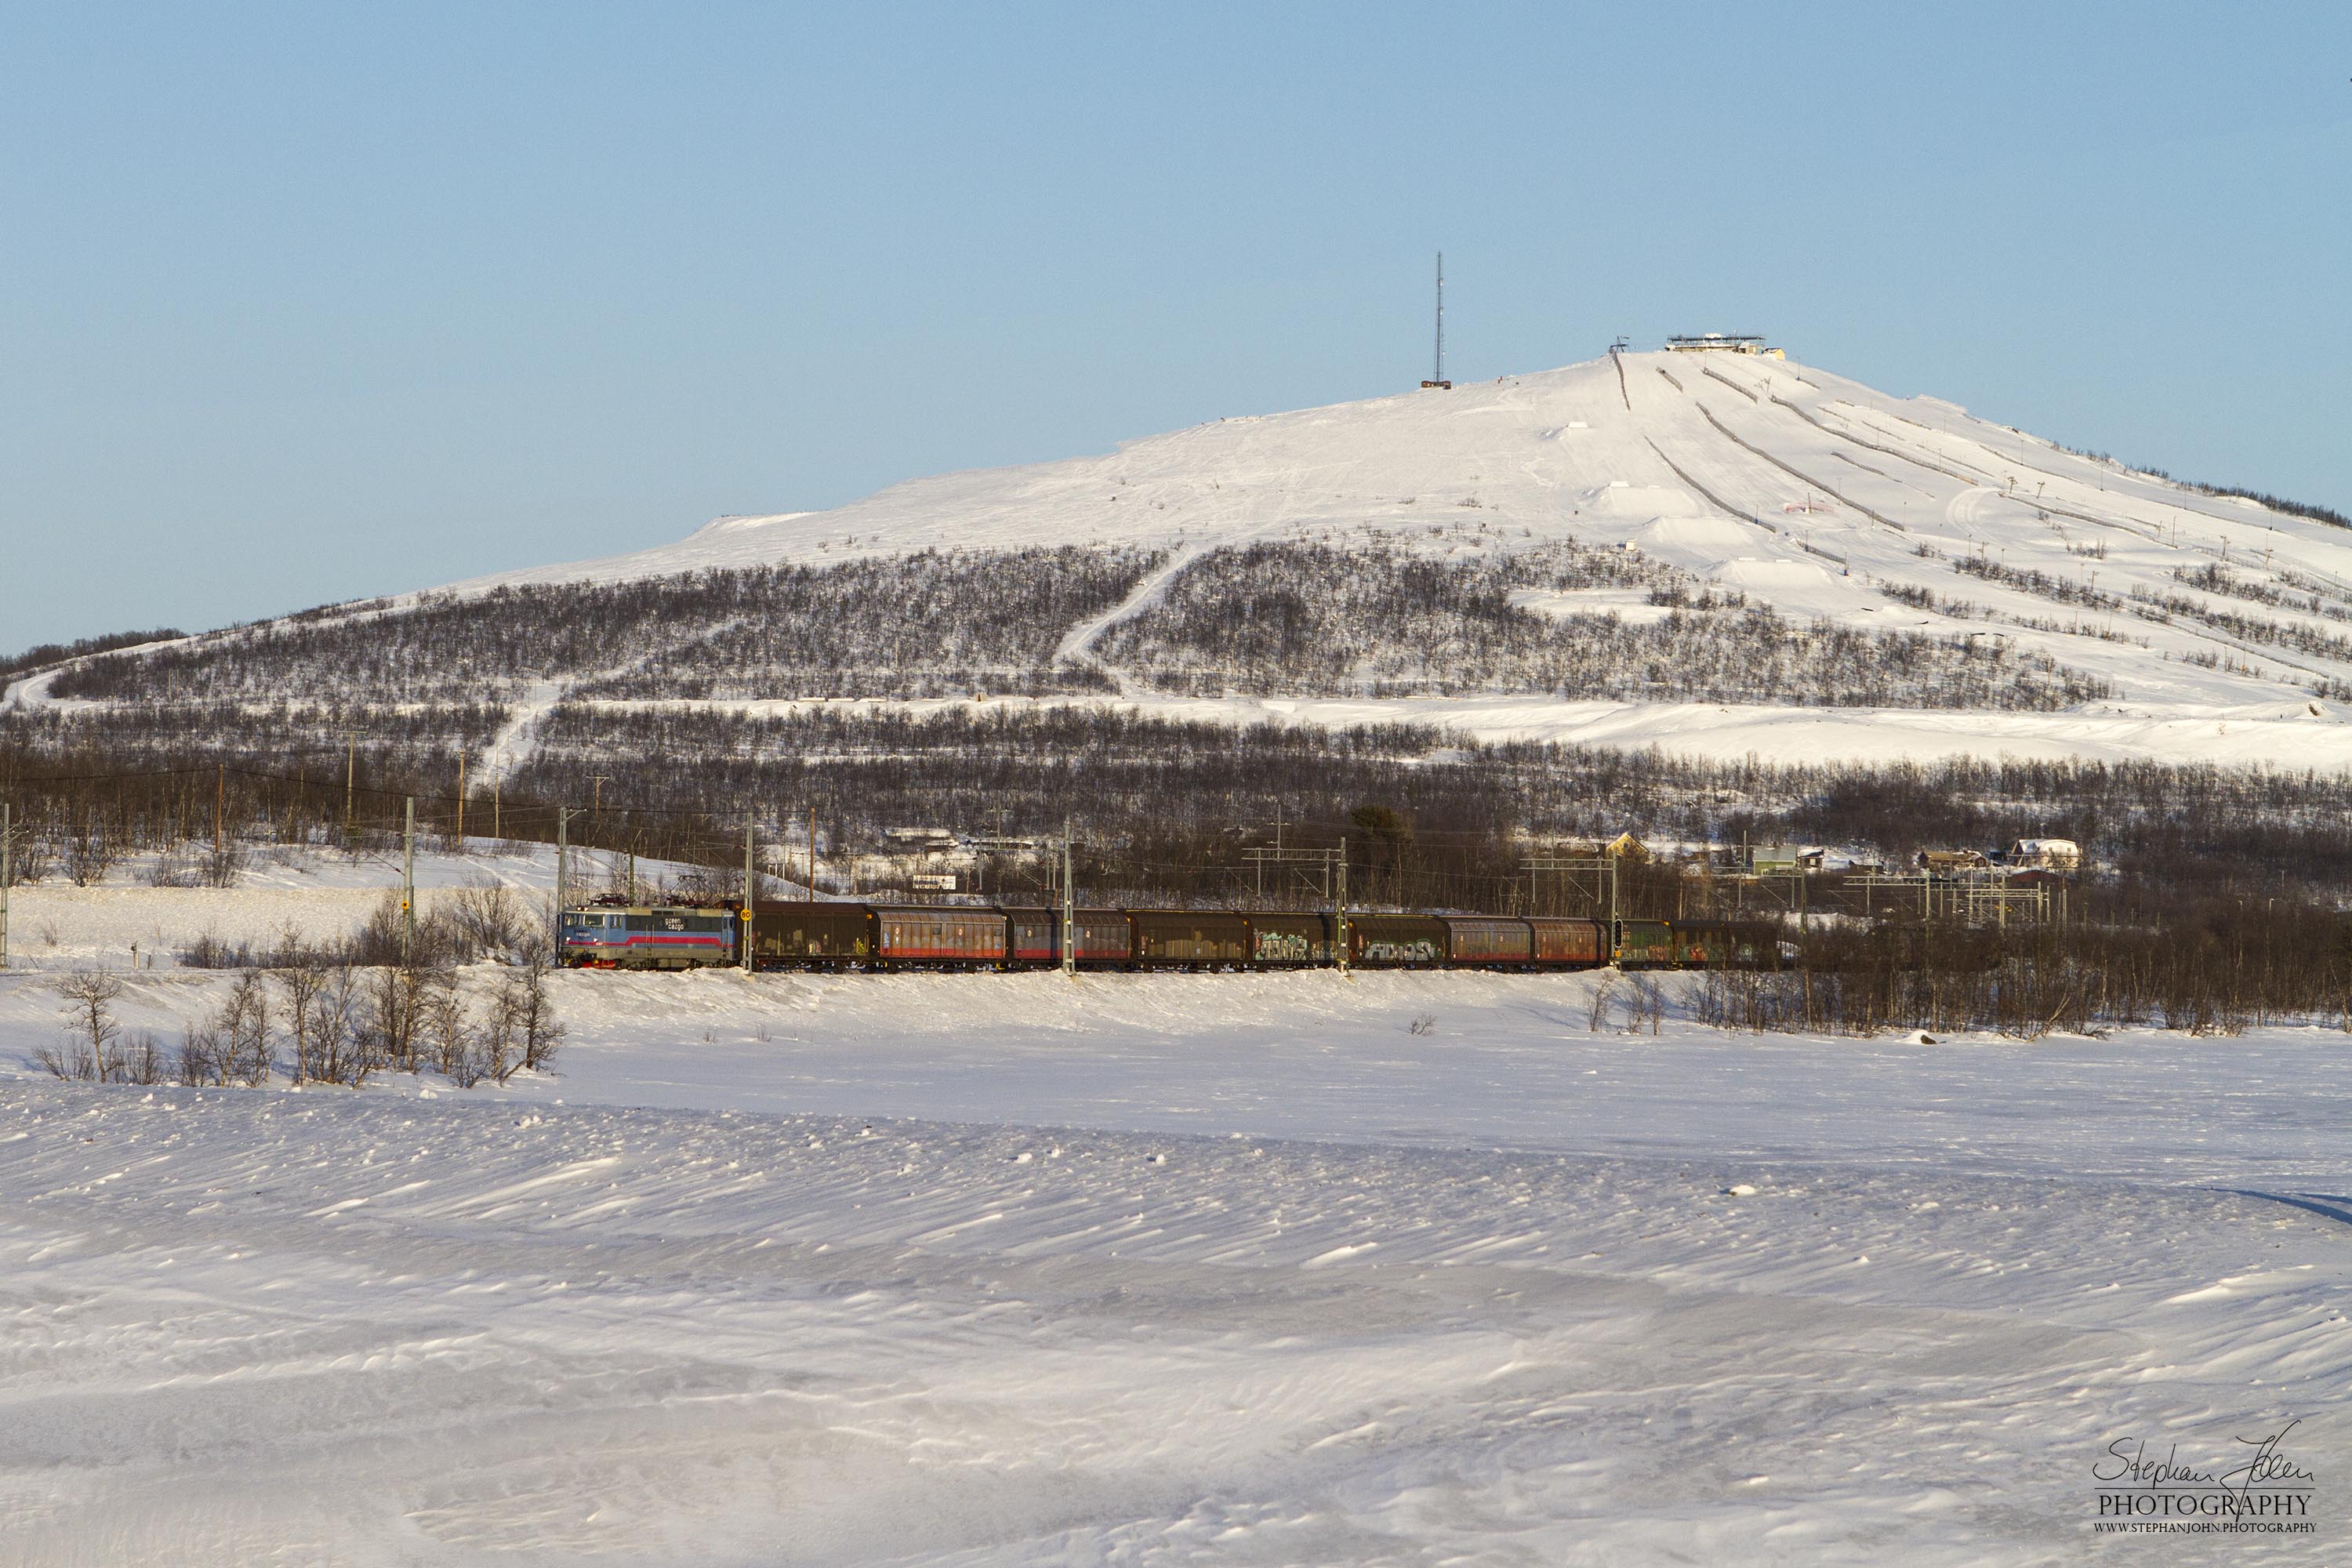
{"type": "Point", "coordinates": [1714, 550]}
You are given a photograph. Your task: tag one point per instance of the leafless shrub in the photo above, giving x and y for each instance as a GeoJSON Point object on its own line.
{"type": "Point", "coordinates": [1747, 999]}
{"type": "Point", "coordinates": [1596, 1004]}
{"type": "Point", "coordinates": [538, 1032]}
{"type": "Point", "coordinates": [450, 1032]}
{"type": "Point", "coordinates": [92, 851]}
{"type": "Point", "coordinates": [71, 1060]}
{"type": "Point", "coordinates": [244, 1027]}
{"type": "Point", "coordinates": [203, 1057]}
{"type": "Point", "coordinates": [1645, 1004]}
{"type": "Point", "coordinates": [497, 1036]}
{"type": "Point", "coordinates": [338, 1048]}
{"type": "Point", "coordinates": [487, 918]}
{"type": "Point", "coordinates": [172, 868]}
{"type": "Point", "coordinates": [222, 863]}
{"type": "Point", "coordinates": [90, 996]}
{"type": "Point", "coordinates": [34, 859]}
{"type": "Point", "coordinates": [140, 1061]}
{"type": "Point", "coordinates": [300, 984]}
{"type": "Point", "coordinates": [1422, 1023]}
{"type": "Point", "coordinates": [469, 1066]}
{"type": "Point", "coordinates": [704, 887]}
{"type": "Point", "coordinates": [395, 1015]}
{"type": "Point", "coordinates": [208, 950]}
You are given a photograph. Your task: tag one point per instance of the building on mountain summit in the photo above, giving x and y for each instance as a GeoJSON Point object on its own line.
{"type": "Point", "coordinates": [1724, 343]}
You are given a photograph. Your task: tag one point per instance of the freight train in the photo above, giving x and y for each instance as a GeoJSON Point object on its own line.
{"type": "Point", "coordinates": [885, 937]}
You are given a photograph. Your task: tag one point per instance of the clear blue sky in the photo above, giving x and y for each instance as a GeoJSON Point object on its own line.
{"type": "Point", "coordinates": [306, 302]}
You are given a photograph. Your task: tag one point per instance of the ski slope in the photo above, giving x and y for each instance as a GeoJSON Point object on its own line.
{"type": "Point", "coordinates": [2222, 628]}
{"type": "Point", "coordinates": [1804, 490]}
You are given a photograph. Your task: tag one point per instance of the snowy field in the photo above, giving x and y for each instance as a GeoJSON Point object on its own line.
{"type": "Point", "coordinates": [963, 1269]}
{"type": "Point", "coordinates": [122, 922]}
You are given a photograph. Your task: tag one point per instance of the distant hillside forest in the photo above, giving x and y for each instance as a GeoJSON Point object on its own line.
{"type": "Point", "coordinates": [2212, 902]}
{"type": "Point", "coordinates": [1165, 806]}
{"type": "Point", "coordinates": [1382, 618]}
{"type": "Point", "coordinates": [1381, 621]}
{"type": "Point", "coordinates": [42, 655]}
{"type": "Point", "coordinates": [903, 626]}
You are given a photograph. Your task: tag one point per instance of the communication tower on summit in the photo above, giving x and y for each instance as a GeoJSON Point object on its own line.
{"type": "Point", "coordinates": [1437, 377]}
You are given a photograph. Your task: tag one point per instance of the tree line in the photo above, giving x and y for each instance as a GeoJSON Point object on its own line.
{"type": "Point", "coordinates": [927, 624]}
{"type": "Point", "coordinates": [1382, 618]}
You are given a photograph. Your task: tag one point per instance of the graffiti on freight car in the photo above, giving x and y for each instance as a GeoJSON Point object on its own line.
{"type": "Point", "coordinates": [1416, 950]}
{"type": "Point", "coordinates": [1284, 947]}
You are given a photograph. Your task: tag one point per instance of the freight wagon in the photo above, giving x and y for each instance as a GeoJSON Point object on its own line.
{"type": "Point", "coordinates": [1101, 938]}
{"type": "Point", "coordinates": [939, 938]}
{"type": "Point", "coordinates": [1190, 939]}
{"type": "Point", "coordinates": [1563, 944]}
{"type": "Point", "coordinates": [1725, 944]}
{"type": "Point", "coordinates": [811, 936]}
{"type": "Point", "coordinates": [1288, 941]}
{"type": "Point", "coordinates": [1396, 942]}
{"type": "Point", "coordinates": [1644, 944]}
{"type": "Point", "coordinates": [1488, 942]}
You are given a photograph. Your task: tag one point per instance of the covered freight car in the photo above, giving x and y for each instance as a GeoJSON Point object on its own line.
{"type": "Point", "coordinates": [1189, 938]}
{"type": "Point", "coordinates": [1396, 942]}
{"type": "Point", "coordinates": [1488, 942]}
{"type": "Point", "coordinates": [787, 935]}
{"type": "Point", "coordinates": [1100, 938]}
{"type": "Point", "coordinates": [1726, 944]}
{"type": "Point", "coordinates": [1644, 944]}
{"type": "Point", "coordinates": [942, 937]}
{"type": "Point", "coordinates": [1289, 939]}
{"type": "Point", "coordinates": [1565, 944]}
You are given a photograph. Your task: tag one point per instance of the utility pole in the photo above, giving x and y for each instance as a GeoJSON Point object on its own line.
{"type": "Point", "coordinates": [408, 884]}
{"type": "Point", "coordinates": [811, 881]}
{"type": "Point", "coordinates": [596, 808]}
{"type": "Point", "coordinates": [350, 776]}
{"type": "Point", "coordinates": [461, 800]}
{"type": "Point", "coordinates": [562, 860]}
{"type": "Point", "coordinates": [7, 875]}
{"type": "Point", "coordinates": [750, 887]}
{"type": "Point", "coordinates": [1340, 912]}
{"type": "Point", "coordinates": [1069, 908]}
{"type": "Point", "coordinates": [497, 777]}
{"type": "Point", "coordinates": [1260, 860]}
{"type": "Point", "coordinates": [220, 799]}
